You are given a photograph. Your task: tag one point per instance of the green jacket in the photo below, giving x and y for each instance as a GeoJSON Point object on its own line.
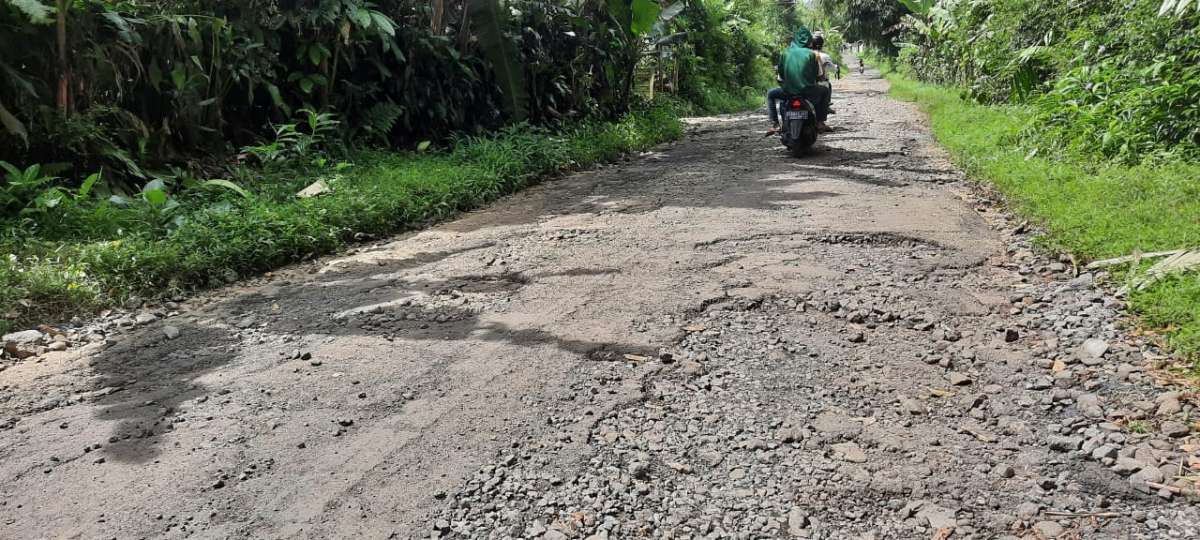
{"type": "Point", "coordinates": [799, 66]}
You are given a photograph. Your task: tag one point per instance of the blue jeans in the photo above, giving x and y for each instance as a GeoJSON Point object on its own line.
{"type": "Point", "coordinates": [773, 97]}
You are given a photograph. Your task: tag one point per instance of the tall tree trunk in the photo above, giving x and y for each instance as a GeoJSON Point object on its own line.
{"type": "Point", "coordinates": [437, 16]}
{"type": "Point", "coordinates": [337, 59]}
{"type": "Point", "coordinates": [64, 67]}
{"type": "Point", "coordinates": [627, 84]}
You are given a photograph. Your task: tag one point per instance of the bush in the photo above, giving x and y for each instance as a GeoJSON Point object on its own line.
{"type": "Point", "coordinates": [1106, 78]}
{"type": "Point", "coordinates": [185, 83]}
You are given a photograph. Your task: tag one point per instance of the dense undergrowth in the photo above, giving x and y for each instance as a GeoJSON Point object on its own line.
{"type": "Point", "coordinates": [1094, 209]}
{"type": "Point", "coordinates": [1103, 77]}
{"type": "Point", "coordinates": [134, 89]}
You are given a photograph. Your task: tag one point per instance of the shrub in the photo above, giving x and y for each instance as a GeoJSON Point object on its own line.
{"type": "Point", "coordinates": [1106, 78]}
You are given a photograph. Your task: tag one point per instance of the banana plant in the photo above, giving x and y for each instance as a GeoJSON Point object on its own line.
{"type": "Point", "coordinates": [928, 18]}
{"type": "Point", "coordinates": [658, 40]}
{"type": "Point", "coordinates": [633, 20]}
{"type": "Point", "coordinates": [635, 17]}
{"type": "Point", "coordinates": [658, 32]}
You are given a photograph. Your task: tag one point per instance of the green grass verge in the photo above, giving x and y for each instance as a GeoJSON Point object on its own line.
{"type": "Point", "coordinates": [720, 101]}
{"type": "Point", "coordinates": [52, 279]}
{"type": "Point", "coordinates": [1091, 209]}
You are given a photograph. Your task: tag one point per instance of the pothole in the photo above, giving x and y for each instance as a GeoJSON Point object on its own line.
{"type": "Point", "coordinates": [831, 238]}
{"type": "Point", "coordinates": [875, 239]}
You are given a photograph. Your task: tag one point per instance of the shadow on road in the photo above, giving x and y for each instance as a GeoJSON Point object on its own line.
{"type": "Point", "coordinates": [156, 375]}
{"type": "Point", "coordinates": [153, 376]}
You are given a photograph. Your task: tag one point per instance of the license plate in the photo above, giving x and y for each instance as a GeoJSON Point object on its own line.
{"type": "Point", "coordinates": [796, 115]}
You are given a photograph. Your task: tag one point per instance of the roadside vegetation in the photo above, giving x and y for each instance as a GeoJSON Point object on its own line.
{"type": "Point", "coordinates": [152, 148]}
{"type": "Point", "coordinates": [1086, 116]}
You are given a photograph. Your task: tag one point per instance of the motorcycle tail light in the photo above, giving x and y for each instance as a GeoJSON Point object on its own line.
{"type": "Point", "coordinates": [796, 104]}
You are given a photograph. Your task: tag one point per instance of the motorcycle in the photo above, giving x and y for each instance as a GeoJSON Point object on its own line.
{"type": "Point", "coordinates": [799, 130]}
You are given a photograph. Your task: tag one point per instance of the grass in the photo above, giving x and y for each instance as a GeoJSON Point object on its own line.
{"type": "Point", "coordinates": [52, 277]}
{"type": "Point", "coordinates": [720, 101]}
{"type": "Point", "coordinates": [1090, 208]}
{"type": "Point", "coordinates": [1138, 426]}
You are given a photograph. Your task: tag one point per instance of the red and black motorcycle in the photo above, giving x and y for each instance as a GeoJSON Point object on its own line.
{"type": "Point", "coordinates": [799, 129]}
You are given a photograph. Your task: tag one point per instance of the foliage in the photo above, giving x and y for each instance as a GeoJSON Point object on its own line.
{"type": "Point", "coordinates": [730, 50]}
{"type": "Point", "coordinates": [35, 10]}
{"type": "Point", "coordinates": [149, 85]}
{"type": "Point", "coordinates": [292, 142]}
{"type": "Point", "coordinates": [1174, 306]}
{"type": "Point", "coordinates": [1106, 77]}
{"type": "Point", "coordinates": [1131, 93]}
{"type": "Point", "coordinates": [21, 187]}
{"type": "Point", "coordinates": [871, 22]}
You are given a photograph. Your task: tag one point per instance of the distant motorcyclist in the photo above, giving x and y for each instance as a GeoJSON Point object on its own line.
{"type": "Point", "coordinates": [801, 70]}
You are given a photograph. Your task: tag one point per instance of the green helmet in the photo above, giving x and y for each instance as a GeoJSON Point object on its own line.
{"type": "Point", "coordinates": [802, 37]}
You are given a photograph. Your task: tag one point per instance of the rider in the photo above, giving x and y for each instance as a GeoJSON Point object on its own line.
{"type": "Point", "coordinates": [818, 45]}
{"type": "Point", "coordinates": [828, 67]}
{"type": "Point", "coordinates": [800, 70]}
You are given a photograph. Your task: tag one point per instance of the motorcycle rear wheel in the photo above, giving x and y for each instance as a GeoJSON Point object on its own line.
{"type": "Point", "coordinates": [808, 137]}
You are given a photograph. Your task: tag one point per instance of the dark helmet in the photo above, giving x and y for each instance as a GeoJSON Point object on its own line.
{"type": "Point", "coordinates": [818, 41]}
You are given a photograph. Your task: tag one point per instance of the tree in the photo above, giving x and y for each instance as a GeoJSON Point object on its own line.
{"type": "Point", "coordinates": [873, 22]}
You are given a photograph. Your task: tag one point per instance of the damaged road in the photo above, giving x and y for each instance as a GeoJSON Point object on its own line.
{"type": "Point", "coordinates": [709, 340]}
